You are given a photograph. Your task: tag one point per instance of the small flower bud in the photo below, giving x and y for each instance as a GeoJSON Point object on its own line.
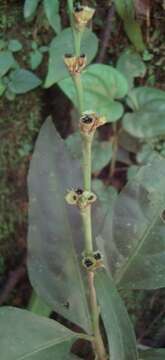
{"type": "Point", "coordinates": [90, 121]}
{"type": "Point", "coordinates": [82, 15]}
{"type": "Point", "coordinates": [75, 64]}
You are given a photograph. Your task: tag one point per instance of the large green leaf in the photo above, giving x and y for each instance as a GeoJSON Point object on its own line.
{"type": "Point", "coordinates": [121, 337]}
{"type": "Point", "coordinates": [130, 64]}
{"type": "Point", "coordinates": [6, 62]}
{"type": "Point", "coordinates": [101, 151]}
{"type": "Point", "coordinates": [30, 7]}
{"type": "Point", "coordinates": [24, 335]}
{"type": "Point", "coordinates": [133, 236]}
{"type": "Point", "coordinates": [102, 84]}
{"type": "Point", "coordinates": [63, 44]}
{"type": "Point", "coordinates": [52, 13]}
{"type": "Point", "coordinates": [152, 354]}
{"type": "Point", "coordinates": [22, 81]}
{"type": "Point", "coordinates": [147, 120]}
{"type": "Point", "coordinates": [54, 226]}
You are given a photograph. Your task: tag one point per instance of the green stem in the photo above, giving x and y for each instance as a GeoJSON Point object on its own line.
{"type": "Point", "coordinates": [79, 90]}
{"type": "Point", "coordinates": [87, 160]}
{"type": "Point", "coordinates": [76, 34]}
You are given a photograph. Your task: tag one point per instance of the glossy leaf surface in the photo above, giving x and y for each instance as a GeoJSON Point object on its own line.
{"type": "Point", "coordinates": [137, 258]}
{"type": "Point", "coordinates": [54, 226]}
{"type": "Point", "coordinates": [147, 120]}
{"type": "Point", "coordinates": [22, 81]}
{"type": "Point", "coordinates": [24, 335]}
{"type": "Point", "coordinates": [52, 12]}
{"type": "Point", "coordinates": [102, 84]}
{"type": "Point", "coordinates": [121, 338]}
{"type": "Point", "coordinates": [63, 44]}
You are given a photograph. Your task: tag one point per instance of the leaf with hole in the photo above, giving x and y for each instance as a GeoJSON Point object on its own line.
{"type": "Point", "coordinates": [24, 335]}
{"type": "Point", "coordinates": [121, 337]}
{"type": "Point", "coordinates": [55, 230]}
{"type": "Point", "coordinates": [102, 84]}
{"type": "Point", "coordinates": [63, 44]}
{"type": "Point", "coordinates": [52, 12]}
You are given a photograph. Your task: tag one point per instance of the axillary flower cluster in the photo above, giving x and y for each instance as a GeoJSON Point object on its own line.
{"type": "Point", "coordinates": [89, 121]}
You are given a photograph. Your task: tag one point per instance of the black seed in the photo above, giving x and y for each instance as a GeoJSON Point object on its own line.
{"type": "Point", "coordinates": [79, 191]}
{"type": "Point", "coordinates": [68, 55]}
{"type": "Point", "coordinates": [97, 256]}
{"type": "Point", "coordinates": [82, 56]}
{"type": "Point", "coordinates": [88, 262]}
{"type": "Point", "coordinates": [78, 7]}
{"type": "Point", "coordinates": [90, 197]}
{"type": "Point", "coordinates": [74, 197]}
{"type": "Point", "coordinates": [87, 119]}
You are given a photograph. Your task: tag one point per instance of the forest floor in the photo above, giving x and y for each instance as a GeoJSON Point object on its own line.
{"type": "Point", "coordinates": [20, 121]}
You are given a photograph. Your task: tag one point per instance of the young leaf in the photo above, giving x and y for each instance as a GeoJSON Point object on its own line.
{"type": "Point", "coordinates": [24, 335]}
{"type": "Point", "coordinates": [147, 120]}
{"type": "Point", "coordinates": [35, 59]}
{"type": "Point", "coordinates": [30, 7]}
{"type": "Point", "coordinates": [55, 229]}
{"type": "Point", "coordinates": [14, 45]}
{"type": "Point", "coordinates": [130, 64]}
{"type": "Point", "coordinates": [63, 44]}
{"type": "Point", "coordinates": [121, 337]}
{"type": "Point", "coordinates": [22, 81]}
{"type": "Point", "coordinates": [152, 354]}
{"type": "Point", "coordinates": [102, 84]}
{"type": "Point", "coordinates": [137, 258]}
{"type": "Point", "coordinates": [6, 62]}
{"type": "Point", "coordinates": [52, 13]}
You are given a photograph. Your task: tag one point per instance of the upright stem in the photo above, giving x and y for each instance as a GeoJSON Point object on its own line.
{"type": "Point", "coordinates": [86, 213]}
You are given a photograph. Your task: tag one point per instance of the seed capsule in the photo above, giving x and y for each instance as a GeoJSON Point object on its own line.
{"type": "Point", "coordinates": [90, 121]}
{"type": "Point", "coordinates": [75, 64]}
{"type": "Point", "coordinates": [82, 15]}
{"type": "Point", "coordinates": [80, 198]}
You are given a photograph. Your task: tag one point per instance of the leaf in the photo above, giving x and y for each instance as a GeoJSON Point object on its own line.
{"type": "Point", "coordinates": [24, 335]}
{"type": "Point", "coordinates": [121, 337]}
{"type": "Point", "coordinates": [152, 354]}
{"type": "Point", "coordinates": [102, 84]}
{"type": "Point", "coordinates": [22, 81]}
{"type": "Point", "coordinates": [38, 307]}
{"type": "Point", "coordinates": [101, 151]}
{"type": "Point", "coordinates": [35, 59]}
{"type": "Point", "coordinates": [6, 62]}
{"type": "Point", "coordinates": [52, 12]}
{"type": "Point", "coordinates": [147, 120]}
{"type": "Point", "coordinates": [55, 234]}
{"type": "Point", "coordinates": [2, 87]}
{"type": "Point", "coordinates": [14, 45]}
{"type": "Point", "coordinates": [30, 7]}
{"type": "Point", "coordinates": [126, 10]}
{"type": "Point", "coordinates": [62, 44]}
{"type": "Point", "coordinates": [137, 258]}
{"type": "Point", "coordinates": [130, 64]}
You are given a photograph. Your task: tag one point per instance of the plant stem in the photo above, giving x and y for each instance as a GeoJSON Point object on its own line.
{"type": "Point", "coordinates": [114, 151]}
{"type": "Point", "coordinates": [98, 344]}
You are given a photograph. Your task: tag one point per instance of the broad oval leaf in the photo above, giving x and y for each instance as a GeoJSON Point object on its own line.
{"type": "Point", "coordinates": [7, 61]}
{"type": "Point", "coordinates": [121, 337]}
{"type": "Point", "coordinates": [143, 95]}
{"type": "Point", "coordinates": [152, 354]}
{"type": "Point", "coordinates": [102, 84]}
{"type": "Point", "coordinates": [22, 81]}
{"type": "Point", "coordinates": [24, 335]}
{"type": "Point", "coordinates": [63, 44]}
{"type": "Point", "coordinates": [133, 234]}
{"type": "Point", "coordinates": [55, 229]}
{"type": "Point", "coordinates": [52, 12]}
{"type": "Point", "coordinates": [30, 7]}
{"type": "Point", "coordinates": [130, 64]}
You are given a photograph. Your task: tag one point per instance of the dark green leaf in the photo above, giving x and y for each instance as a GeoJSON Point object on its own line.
{"type": "Point", "coordinates": [55, 229]}
{"type": "Point", "coordinates": [102, 84]}
{"type": "Point", "coordinates": [134, 33]}
{"type": "Point", "coordinates": [35, 59]}
{"type": "Point", "coordinates": [6, 62]}
{"type": "Point", "coordinates": [22, 81]}
{"type": "Point", "coordinates": [152, 354]}
{"type": "Point", "coordinates": [52, 13]}
{"type": "Point", "coordinates": [125, 8]}
{"type": "Point", "coordinates": [130, 64]}
{"type": "Point", "coordinates": [137, 258]}
{"type": "Point", "coordinates": [30, 7]}
{"type": "Point", "coordinates": [121, 337]}
{"type": "Point", "coordinates": [24, 335]}
{"type": "Point", "coordinates": [62, 44]}
{"type": "Point", "coordinates": [2, 87]}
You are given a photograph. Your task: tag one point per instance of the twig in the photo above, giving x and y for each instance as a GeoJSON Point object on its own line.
{"type": "Point", "coordinates": [105, 37]}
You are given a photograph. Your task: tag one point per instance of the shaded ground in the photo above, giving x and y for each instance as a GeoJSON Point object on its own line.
{"type": "Point", "coordinates": [19, 124]}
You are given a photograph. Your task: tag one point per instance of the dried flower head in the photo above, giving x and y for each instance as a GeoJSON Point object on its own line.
{"type": "Point", "coordinates": [93, 261]}
{"type": "Point", "coordinates": [82, 15]}
{"type": "Point", "coordinates": [75, 64]}
{"type": "Point", "coordinates": [90, 121]}
{"type": "Point", "coordinates": [80, 198]}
